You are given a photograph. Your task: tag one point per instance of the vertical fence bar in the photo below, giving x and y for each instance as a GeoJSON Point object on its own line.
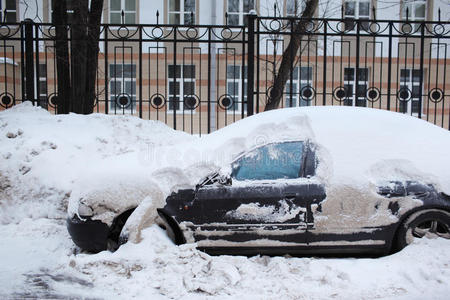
{"type": "Point", "coordinates": [29, 61]}
{"type": "Point", "coordinates": [422, 48]}
{"type": "Point", "coordinates": [250, 63]}
{"type": "Point", "coordinates": [38, 88]}
{"type": "Point", "coordinates": [140, 71]}
{"type": "Point", "coordinates": [257, 65]}
{"type": "Point", "coordinates": [291, 75]}
{"type": "Point", "coordinates": [391, 24]}
{"type": "Point", "coordinates": [358, 41]}
{"type": "Point", "coordinates": [22, 57]}
{"type": "Point", "coordinates": [174, 95]}
{"type": "Point", "coordinates": [209, 80]}
{"type": "Point", "coordinates": [106, 69]}
{"type": "Point", "coordinates": [241, 71]}
{"type": "Point", "coordinates": [325, 26]}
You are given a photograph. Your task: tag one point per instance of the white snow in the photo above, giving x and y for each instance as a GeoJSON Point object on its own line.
{"type": "Point", "coordinates": [266, 213]}
{"type": "Point", "coordinates": [38, 260]}
{"type": "Point", "coordinates": [122, 161]}
{"type": "Point", "coordinates": [6, 60]}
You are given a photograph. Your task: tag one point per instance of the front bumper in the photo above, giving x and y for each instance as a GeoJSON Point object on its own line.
{"type": "Point", "coordinates": [90, 235]}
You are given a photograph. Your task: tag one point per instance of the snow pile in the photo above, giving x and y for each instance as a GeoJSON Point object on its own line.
{"type": "Point", "coordinates": [46, 158]}
{"type": "Point", "coordinates": [38, 260]}
{"type": "Point", "coordinates": [186, 273]}
{"type": "Point", "coordinates": [124, 161]}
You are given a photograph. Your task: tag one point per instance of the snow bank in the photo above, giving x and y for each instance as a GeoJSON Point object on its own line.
{"type": "Point", "coordinates": [186, 273]}
{"type": "Point", "coordinates": [46, 159]}
{"type": "Point", "coordinates": [38, 260]}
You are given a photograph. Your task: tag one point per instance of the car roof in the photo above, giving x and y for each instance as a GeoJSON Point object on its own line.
{"type": "Point", "coordinates": [358, 144]}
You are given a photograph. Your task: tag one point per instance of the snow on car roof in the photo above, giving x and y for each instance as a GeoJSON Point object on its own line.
{"type": "Point", "coordinates": [361, 144]}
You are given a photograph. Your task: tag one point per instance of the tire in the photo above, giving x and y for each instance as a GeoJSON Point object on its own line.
{"type": "Point", "coordinates": [431, 222]}
{"type": "Point", "coordinates": [113, 241]}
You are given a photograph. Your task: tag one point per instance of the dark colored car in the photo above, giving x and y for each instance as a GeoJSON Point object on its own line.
{"type": "Point", "coordinates": [272, 204]}
{"type": "Point", "coordinates": [323, 180]}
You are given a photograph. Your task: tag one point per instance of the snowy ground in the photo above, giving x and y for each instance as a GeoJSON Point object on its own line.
{"type": "Point", "coordinates": [38, 260]}
{"type": "Point", "coordinates": [42, 157]}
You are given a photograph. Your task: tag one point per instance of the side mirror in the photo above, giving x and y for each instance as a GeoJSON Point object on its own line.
{"type": "Point", "coordinates": [215, 178]}
{"type": "Point", "coordinates": [225, 180]}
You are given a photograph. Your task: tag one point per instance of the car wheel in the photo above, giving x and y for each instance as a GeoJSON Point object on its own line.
{"type": "Point", "coordinates": [113, 241]}
{"type": "Point", "coordinates": [428, 223]}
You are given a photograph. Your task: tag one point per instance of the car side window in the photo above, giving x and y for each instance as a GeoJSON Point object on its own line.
{"type": "Point", "coordinates": [272, 161]}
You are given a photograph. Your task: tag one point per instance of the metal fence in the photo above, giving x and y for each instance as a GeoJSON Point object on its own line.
{"type": "Point", "coordinates": [199, 78]}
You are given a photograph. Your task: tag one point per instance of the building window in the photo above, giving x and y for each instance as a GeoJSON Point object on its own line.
{"type": "Point", "coordinates": [11, 11]}
{"type": "Point", "coordinates": [301, 88]}
{"type": "Point", "coordinates": [358, 9]}
{"type": "Point", "coordinates": [234, 87]}
{"type": "Point", "coordinates": [355, 89]}
{"type": "Point", "coordinates": [410, 83]}
{"type": "Point", "coordinates": [294, 7]}
{"type": "Point", "coordinates": [123, 86]}
{"type": "Point", "coordinates": [115, 11]}
{"type": "Point", "coordinates": [238, 10]}
{"type": "Point", "coordinates": [182, 12]}
{"type": "Point", "coordinates": [414, 10]}
{"type": "Point", "coordinates": [181, 87]}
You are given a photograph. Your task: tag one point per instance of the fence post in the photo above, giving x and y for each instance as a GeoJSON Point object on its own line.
{"type": "Point", "coordinates": [250, 63]}
{"type": "Point", "coordinates": [29, 61]}
{"type": "Point", "coordinates": [422, 48]}
{"type": "Point", "coordinates": [391, 24]}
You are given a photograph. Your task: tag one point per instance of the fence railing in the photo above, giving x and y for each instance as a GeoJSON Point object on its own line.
{"type": "Point", "coordinates": [199, 78]}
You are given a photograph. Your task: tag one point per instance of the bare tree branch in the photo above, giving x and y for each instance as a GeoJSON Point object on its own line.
{"type": "Point", "coordinates": [289, 54]}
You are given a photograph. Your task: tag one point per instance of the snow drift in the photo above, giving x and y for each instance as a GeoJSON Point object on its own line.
{"type": "Point", "coordinates": [47, 159]}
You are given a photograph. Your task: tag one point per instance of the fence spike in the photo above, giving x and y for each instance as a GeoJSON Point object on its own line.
{"type": "Point", "coordinates": [123, 17]}
{"type": "Point", "coordinates": [407, 14]}
{"type": "Point", "coordinates": [275, 9]}
{"type": "Point", "coordinates": [157, 17]}
{"type": "Point", "coordinates": [226, 18]}
{"type": "Point", "coordinates": [439, 15]}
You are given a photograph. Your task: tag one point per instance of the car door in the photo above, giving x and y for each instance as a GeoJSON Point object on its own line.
{"type": "Point", "coordinates": [267, 203]}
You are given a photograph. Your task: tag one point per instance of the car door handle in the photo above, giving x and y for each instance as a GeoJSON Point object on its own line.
{"type": "Point", "coordinates": [290, 196]}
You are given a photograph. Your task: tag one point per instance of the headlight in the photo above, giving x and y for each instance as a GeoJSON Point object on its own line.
{"type": "Point", "coordinates": [84, 210]}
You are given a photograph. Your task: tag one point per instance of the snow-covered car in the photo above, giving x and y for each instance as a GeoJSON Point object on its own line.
{"type": "Point", "coordinates": [303, 180]}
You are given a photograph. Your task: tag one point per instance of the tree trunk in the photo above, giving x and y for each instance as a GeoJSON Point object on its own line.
{"type": "Point", "coordinates": [62, 57]}
{"type": "Point", "coordinates": [93, 35]}
{"type": "Point", "coordinates": [77, 74]}
{"type": "Point", "coordinates": [287, 61]}
{"type": "Point", "coordinates": [79, 55]}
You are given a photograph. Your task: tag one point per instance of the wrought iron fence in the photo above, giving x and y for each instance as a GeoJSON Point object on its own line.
{"type": "Point", "coordinates": [199, 78]}
{"type": "Point", "coordinates": [394, 65]}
